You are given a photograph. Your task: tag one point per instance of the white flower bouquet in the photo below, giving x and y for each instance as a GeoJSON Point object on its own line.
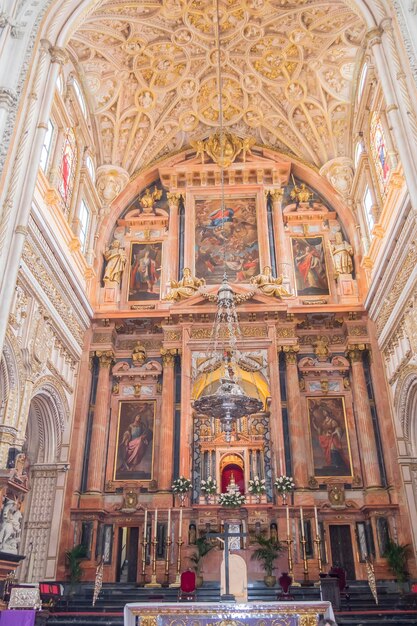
{"type": "Point", "coordinates": [232, 499]}
{"type": "Point", "coordinates": [284, 484]}
{"type": "Point", "coordinates": [209, 486]}
{"type": "Point", "coordinates": [257, 486]}
{"type": "Point", "coordinates": [181, 485]}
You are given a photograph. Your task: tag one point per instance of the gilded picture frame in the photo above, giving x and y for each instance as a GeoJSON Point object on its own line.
{"type": "Point", "coordinates": [134, 454]}
{"type": "Point", "coordinates": [310, 268]}
{"type": "Point", "coordinates": [144, 271]}
{"type": "Point", "coordinates": [329, 437]}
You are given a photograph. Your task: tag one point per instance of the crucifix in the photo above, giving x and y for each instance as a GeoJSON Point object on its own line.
{"type": "Point", "coordinates": [224, 538]}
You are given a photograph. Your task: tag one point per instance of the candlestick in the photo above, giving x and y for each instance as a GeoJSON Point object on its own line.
{"type": "Point", "coordinates": [154, 582]}
{"type": "Point", "coordinates": [302, 522]}
{"type": "Point", "coordinates": [180, 527]}
{"type": "Point", "coordinates": [177, 576]}
{"type": "Point", "coordinates": [317, 521]}
{"type": "Point", "coordinates": [305, 562]}
{"type": "Point", "coordinates": [288, 522]}
{"type": "Point", "coordinates": [144, 544]}
{"type": "Point", "coordinates": [156, 523]}
{"type": "Point", "coordinates": [167, 547]}
{"type": "Point", "coordinates": [145, 524]}
{"type": "Point", "coordinates": [317, 541]}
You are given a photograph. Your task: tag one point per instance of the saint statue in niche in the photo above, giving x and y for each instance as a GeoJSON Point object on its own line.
{"type": "Point", "coordinates": [342, 253]}
{"type": "Point", "coordinates": [116, 261]}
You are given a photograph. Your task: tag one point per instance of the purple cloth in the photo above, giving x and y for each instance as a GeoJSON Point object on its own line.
{"type": "Point", "coordinates": [17, 618]}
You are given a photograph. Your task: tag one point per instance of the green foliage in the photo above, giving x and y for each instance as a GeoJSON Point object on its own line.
{"type": "Point", "coordinates": [74, 557]}
{"type": "Point", "coordinates": [396, 555]}
{"type": "Point", "coordinates": [269, 549]}
{"type": "Point", "coordinates": [203, 546]}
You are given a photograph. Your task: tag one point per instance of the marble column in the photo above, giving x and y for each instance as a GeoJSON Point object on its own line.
{"type": "Point", "coordinates": [100, 421]}
{"type": "Point", "coordinates": [167, 420]}
{"type": "Point", "coordinates": [170, 272]}
{"type": "Point", "coordinates": [284, 265]}
{"type": "Point", "coordinates": [275, 421]}
{"type": "Point", "coordinates": [365, 428]}
{"type": "Point", "coordinates": [297, 427]}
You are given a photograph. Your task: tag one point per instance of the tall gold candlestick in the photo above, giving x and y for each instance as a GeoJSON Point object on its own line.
{"type": "Point", "coordinates": [177, 576]}
{"type": "Point", "coordinates": [144, 544]}
{"type": "Point", "coordinates": [305, 562]}
{"type": "Point", "coordinates": [167, 549]}
{"type": "Point", "coordinates": [288, 541]}
{"type": "Point", "coordinates": [153, 582]}
{"type": "Point", "coordinates": [317, 541]}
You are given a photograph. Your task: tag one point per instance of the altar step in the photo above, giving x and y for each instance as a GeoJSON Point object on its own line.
{"type": "Point", "coordinates": [76, 610]}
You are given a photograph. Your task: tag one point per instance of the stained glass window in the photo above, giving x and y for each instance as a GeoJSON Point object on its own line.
{"type": "Point", "coordinates": [379, 152]}
{"type": "Point", "coordinates": [68, 167]}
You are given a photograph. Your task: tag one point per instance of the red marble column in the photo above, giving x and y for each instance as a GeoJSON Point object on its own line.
{"type": "Point", "coordinates": [297, 428]}
{"type": "Point", "coordinates": [100, 421]}
{"type": "Point", "coordinates": [167, 419]}
{"type": "Point", "coordinates": [365, 429]}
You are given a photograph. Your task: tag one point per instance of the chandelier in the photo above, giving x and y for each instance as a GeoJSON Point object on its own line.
{"type": "Point", "coordinates": [229, 402]}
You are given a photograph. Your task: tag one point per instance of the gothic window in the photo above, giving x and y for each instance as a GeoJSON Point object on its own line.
{"type": "Point", "coordinates": [47, 144]}
{"type": "Point", "coordinates": [367, 206]}
{"type": "Point", "coordinates": [68, 167]}
{"type": "Point", "coordinates": [84, 218]}
{"type": "Point", "coordinates": [358, 152]}
{"type": "Point", "coordinates": [80, 98]}
{"type": "Point", "coordinates": [90, 167]}
{"type": "Point", "coordinates": [379, 152]}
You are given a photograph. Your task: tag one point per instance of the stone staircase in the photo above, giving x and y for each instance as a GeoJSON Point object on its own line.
{"type": "Point", "coordinates": [359, 610]}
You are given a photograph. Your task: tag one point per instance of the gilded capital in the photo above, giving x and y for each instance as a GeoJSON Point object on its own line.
{"type": "Point", "coordinates": [105, 357]}
{"type": "Point", "coordinates": [291, 353]}
{"type": "Point", "coordinates": [275, 194]}
{"type": "Point", "coordinates": [168, 356]}
{"type": "Point", "coordinates": [355, 352]}
{"type": "Point", "coordinates": [174, 199]}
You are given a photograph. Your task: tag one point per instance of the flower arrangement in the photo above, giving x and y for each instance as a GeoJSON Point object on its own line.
{"type": "Point", "coordinates": [231, 499]}
{"type": "Point", "coordinates": [284, 484]}
{"type": "Point", "coordinates": [209, 486]}
{"type": "Point", "coordinates": [181, 485]}
{"type": "Point", "coordinates": [257, 486]}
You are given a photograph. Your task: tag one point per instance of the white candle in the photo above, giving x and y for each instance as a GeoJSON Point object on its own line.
{"type": "Point", "coordinates": [180, 527]}
{"type": "Point", "coordinates": [156, 523]}
{"type": "Point", "coordinates": [317, 521]}
{"type": "Point", "coordinates": [145, 524]}
{"type": "Point", "coordinates": [288, 522]}
{"type": "Point", "coordinates": [302, 522]}
{"type": "Point", "coordinates": [169, 523]}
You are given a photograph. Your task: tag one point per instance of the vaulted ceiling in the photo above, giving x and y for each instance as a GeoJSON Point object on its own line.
{"type": "Point", "coordinates": [149, 71]}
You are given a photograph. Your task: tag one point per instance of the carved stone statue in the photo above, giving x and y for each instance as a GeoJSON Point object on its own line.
{"type": "Point", "coordinates": [116, 261]}
{"type": "Point", "coordinates": [138, 354]}
{"type": "Point", "coordinates": [184, 288]}
{"type": "Point", "coordinates": [148, 200]}
{"type": "Point", "coordinates": [342, 253]}
{"type": "Point", "coordinates": [269, 285]}
{"type": "Point", "coordinates": [321, 348]}
{"type": "Point", "coordinates": [223, 148]}
{"type": "Point", "coordinates": [10, 527]}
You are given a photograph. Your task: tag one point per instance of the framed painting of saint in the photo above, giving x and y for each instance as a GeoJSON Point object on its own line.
{"type": "Point", "coordinates": [310, 266]}
{"type": "Point", "coordinates": [135, 436]}
{"type": "Point", "coordinates": [145, 271]}
{"type": "Point", "coordinates": [329, 437]}
{"type": "Point", "coordinates": [226, 238]}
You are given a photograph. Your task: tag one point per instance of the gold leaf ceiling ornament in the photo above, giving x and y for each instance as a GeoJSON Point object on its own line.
{"type": "Point", "coordinates": [149, 68]}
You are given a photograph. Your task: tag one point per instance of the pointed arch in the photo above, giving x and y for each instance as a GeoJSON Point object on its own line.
{"type": "Point", "coordinates": [405, 403]}
{"type": "Point", "coordinates": [48, 418]}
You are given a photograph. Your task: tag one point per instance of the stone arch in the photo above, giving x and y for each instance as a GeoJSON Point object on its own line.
{"type": "Point", "coordinates": [405, 404]}
{"type": "Point", "coordinates": [48, 416]}
{"type": "Point", "coordinates": [10, 386]}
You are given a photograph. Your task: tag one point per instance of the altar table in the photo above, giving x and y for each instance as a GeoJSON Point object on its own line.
{"type": "Point", "coordinates": [226, 613]}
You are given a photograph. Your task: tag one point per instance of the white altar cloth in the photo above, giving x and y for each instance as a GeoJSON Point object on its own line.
{"type": "Point", "coordinates": [147, 612]}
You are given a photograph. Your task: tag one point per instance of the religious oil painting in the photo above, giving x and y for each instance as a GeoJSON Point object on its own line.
{"type": "Point", "coordinates": [310, 266]}
{"type": "Point", "coordinates": [226, 238]}
{"type": "Point", "coordinates": [145, 271]}
{"type": "Point", "coordinates": [135, 436]}
{"type": "Point", "coordinates": [329, 438]}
